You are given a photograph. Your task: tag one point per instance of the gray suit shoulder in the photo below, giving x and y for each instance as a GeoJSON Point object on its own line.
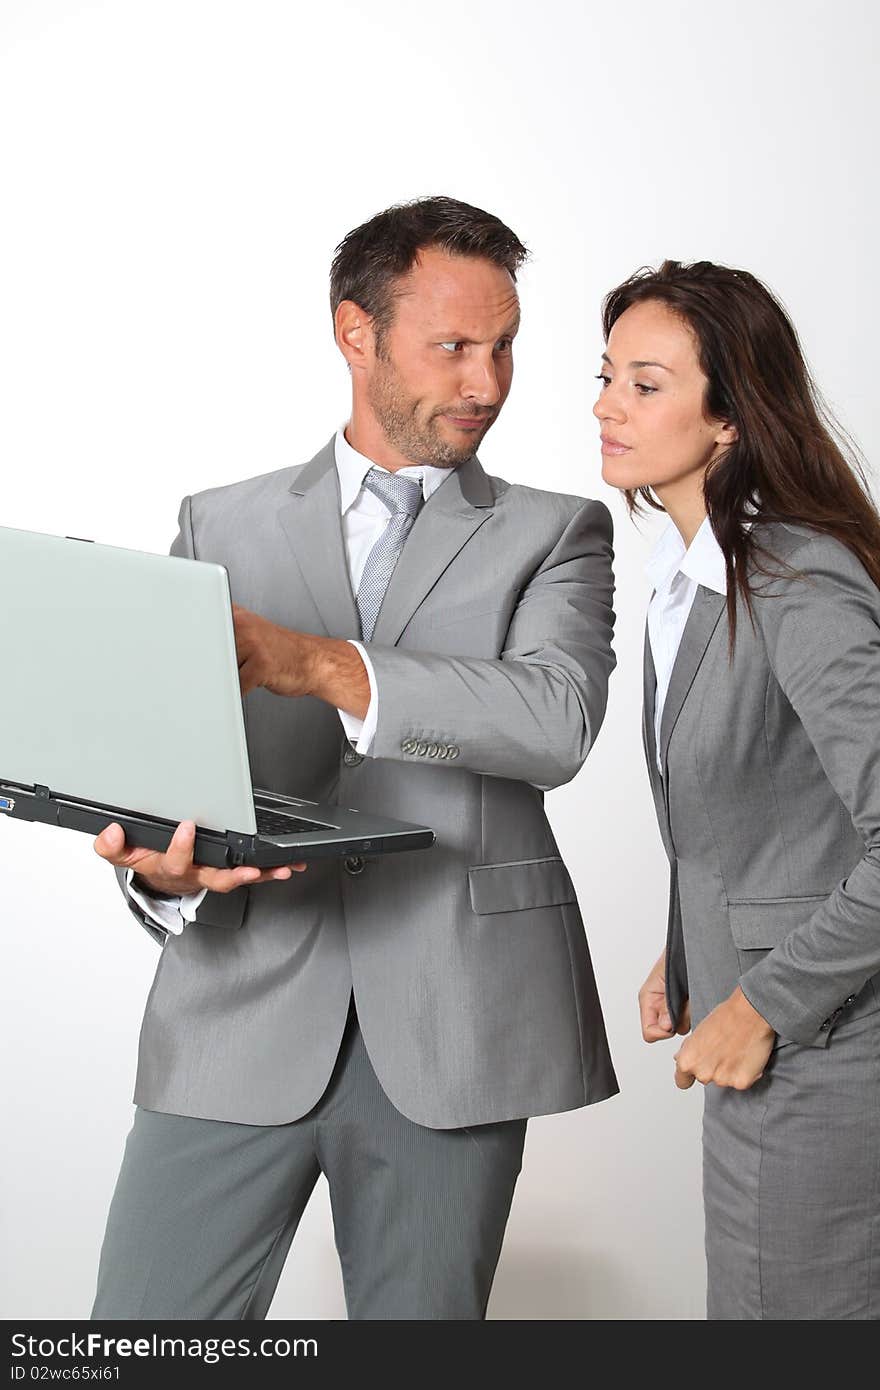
{"type": "Point", "coordinates": [264, 489]}
{"type": "Point", "coordinates": [786, 539]}
{"type": "Point", "coordinates": [804, 553]}
{"type": "Point", "coordinates": [562, 506]}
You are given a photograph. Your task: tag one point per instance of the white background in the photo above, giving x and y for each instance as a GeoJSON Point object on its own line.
{"type": "Point", "coordinates": [174, 176]}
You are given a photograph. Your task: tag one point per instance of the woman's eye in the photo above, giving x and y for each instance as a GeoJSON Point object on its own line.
{"type": "Point", "coordinates": [645, 390]}
{"type": "Point", "coordinates": [600, 376]}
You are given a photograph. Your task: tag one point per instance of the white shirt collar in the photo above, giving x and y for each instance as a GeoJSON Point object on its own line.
{"type": "Point", "coordinates": [353, 467]}
{"type": "Point", "coordinates": [702, 560]}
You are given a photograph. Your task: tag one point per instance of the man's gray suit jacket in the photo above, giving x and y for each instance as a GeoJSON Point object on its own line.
{"type": "Point", "coordinates": [769, 800]}
{"type": "Point", "coordinates": [468, 961]}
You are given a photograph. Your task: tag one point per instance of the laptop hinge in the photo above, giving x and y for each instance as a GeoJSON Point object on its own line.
{"type": "Point", "coordinates": [236, 840]}
{"type": "Point", "coordinates": [239, 847]}
{"type": "Point", "coordinates": [41, 792]}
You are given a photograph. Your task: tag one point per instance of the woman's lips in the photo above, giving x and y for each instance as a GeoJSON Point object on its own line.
{"type": "Point", "coordinates": [614, 447]}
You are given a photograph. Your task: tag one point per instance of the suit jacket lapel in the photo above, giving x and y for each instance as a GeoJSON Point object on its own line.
{"type": "Point", "coordinates": [446, 522]}
{"type": "Point", "coordinates": [312, 522]}
{"type": "Point", "coordinates": [649, 701]}
{"type": "Point", "coordinates": [702, 622]}
{"type": "Point", "coordinates": [648, 706]}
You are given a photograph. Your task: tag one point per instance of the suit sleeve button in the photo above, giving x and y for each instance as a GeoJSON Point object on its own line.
{"type": "Point", "coordinates": [454, 750]}
{"type": "Point", "coordinates": [422, 748]}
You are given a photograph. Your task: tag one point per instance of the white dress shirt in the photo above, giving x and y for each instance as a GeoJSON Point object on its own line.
{"type": "Point", "coordinates": [676, 571]}
{"type": "Point", "coordinates": [364, 518]}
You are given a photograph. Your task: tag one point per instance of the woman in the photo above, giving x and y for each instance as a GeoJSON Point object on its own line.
{"type": "Point", "coordinates": [762, 733]}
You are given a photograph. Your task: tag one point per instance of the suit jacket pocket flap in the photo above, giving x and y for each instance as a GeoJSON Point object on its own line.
{"type": "Point", "coordinates": [766, 922]}
{"type": "Point", "coordinates": [518, 885]}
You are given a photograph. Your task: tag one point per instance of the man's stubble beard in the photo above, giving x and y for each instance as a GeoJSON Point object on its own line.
{"type": "Point", "coordinates": [418, 440]}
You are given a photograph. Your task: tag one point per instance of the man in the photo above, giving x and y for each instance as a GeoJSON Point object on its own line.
{"type": "Point", "coordinates": [421, 638]}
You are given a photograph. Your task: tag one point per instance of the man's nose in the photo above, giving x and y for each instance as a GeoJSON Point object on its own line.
{"type": "Point", "coordinates": [480, 381]}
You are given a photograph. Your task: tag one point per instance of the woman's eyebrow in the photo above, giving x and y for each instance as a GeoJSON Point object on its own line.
{"type": "Point", "coordinates": [651, 364]}
{"type": "Point", "coordinates": [606, 358]}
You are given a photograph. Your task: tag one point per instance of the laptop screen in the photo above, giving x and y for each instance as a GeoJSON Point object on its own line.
{"type": "Point", "coordinates": [121, 682]}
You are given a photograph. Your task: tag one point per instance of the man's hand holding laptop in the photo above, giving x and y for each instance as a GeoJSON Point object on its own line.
{"type": "Point", "coordinates": [174, 871]}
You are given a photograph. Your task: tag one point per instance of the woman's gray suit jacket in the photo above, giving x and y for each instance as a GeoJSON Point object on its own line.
{"type": "Point", "coordinates": [769, 801]}
{"type": "Point", "coordinates": [469, 965]}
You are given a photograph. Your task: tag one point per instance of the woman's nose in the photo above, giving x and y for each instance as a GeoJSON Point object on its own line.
{"type": "Point", "coordinates": [606, 408]}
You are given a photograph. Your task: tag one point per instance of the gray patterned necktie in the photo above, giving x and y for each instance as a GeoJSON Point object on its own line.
{"type": "Point", "coordinates": [404, 497]}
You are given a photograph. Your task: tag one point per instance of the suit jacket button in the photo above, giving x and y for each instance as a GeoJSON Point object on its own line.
{"type": "Point", "coordinates": [422, 748]}
{"type": "Point", "coordinates": [850, 1000]}
{"type": "Point", "coordinates": [355, 865]}
{"type": "Point", "coordinates": [351, 758]}
{"type": "Point", "coordinates": [454, 750]}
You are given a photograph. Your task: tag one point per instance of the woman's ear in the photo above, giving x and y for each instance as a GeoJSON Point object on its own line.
{"type": "Point", "coordinates": [728, 434]}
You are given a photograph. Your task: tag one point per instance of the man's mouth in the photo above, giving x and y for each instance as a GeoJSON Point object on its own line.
{"type": "Point", "coordinates": [468, 422]}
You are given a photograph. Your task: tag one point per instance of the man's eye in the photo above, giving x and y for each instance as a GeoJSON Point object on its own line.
{"type": "Point", "coordinates": [452, 347]}
{"type": "Point", "coordinates": [504, 344]}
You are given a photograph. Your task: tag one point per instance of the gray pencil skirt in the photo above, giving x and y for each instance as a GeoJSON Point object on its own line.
{"type": "Point", "coordinates": [791, 1182]}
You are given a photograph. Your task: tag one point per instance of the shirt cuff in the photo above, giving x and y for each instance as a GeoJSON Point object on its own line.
{"type": "Point", "coordinates": [170, 913]}
{"type": "Point", "coordinates": [361, 732]}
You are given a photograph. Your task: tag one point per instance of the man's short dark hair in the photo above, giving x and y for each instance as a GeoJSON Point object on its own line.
{"type": "Point", "coordinates": [370, 260]}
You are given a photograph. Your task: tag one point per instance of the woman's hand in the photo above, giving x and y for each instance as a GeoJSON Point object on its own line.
{"type": "Point", "coordinates": [656, 1020]}
{"type": "Point", "coordinates": [730, 1047]}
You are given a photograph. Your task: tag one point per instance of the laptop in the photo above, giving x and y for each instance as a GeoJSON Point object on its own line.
{"type": "Point", "coordinates": [93, 730]}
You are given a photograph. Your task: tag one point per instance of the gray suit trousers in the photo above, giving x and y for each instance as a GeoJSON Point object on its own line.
{"type": "Point", "coordinates": [791, 1178]}
{"type": "Point", "coordinates": [204, 1211]}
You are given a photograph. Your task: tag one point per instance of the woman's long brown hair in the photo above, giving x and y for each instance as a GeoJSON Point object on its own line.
{"type": "Point", "coordinates": [790, 462]}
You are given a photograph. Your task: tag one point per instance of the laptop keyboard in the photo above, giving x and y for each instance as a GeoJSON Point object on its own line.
{"type": "Point", "coordinates": [278, 823]}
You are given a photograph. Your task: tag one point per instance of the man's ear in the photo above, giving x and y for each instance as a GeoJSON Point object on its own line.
{"type": "Point", "coordinates": [354, 333]}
